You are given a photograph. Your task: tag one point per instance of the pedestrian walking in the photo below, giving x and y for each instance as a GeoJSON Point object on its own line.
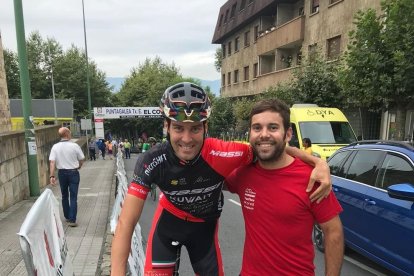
{"type": "Point", "coordinates": [92, 149]}
{"type": "Point", "coordinates": [127, 146]}
{"type": "Point", "coordinates": [68, 158]}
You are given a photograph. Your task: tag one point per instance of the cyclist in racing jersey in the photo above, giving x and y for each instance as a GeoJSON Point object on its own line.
{"type": "Point", "coordinates": [189, 170]}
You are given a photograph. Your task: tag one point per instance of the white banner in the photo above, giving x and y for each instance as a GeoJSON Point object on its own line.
{"type": "Point", "coordinates": [126, 112]}
{"type": "Point", "coordinates": [136, 257]}
{"type": "Point", "coordinates": [42, 239]}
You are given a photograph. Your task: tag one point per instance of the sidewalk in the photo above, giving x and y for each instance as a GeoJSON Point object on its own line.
{"type": "Point", "coordinates": [85, 242]}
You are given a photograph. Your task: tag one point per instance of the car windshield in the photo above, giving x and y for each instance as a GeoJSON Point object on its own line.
{"type": "Point", "coordinates": [328, 132]}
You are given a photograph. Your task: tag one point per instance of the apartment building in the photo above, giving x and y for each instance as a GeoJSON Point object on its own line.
{"type": "Point", "coordinates": [263, 40]}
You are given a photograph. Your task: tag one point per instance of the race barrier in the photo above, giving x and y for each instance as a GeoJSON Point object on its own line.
{"type": "Point", "coordinates": [136, 257]}
{"type": "Point", "coordinates": [42, 239]}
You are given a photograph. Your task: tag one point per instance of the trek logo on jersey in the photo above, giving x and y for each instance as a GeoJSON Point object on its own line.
{"type": "Point", "coordinates": [249, 199]}
{"type": "Point", "coordinates": [226, 153]}
{"type": "Point", "coordinates": [155, 162]}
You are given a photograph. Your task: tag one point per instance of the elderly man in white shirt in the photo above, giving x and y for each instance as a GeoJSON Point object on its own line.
{"type": "Point", "coordinates": [68, 157]}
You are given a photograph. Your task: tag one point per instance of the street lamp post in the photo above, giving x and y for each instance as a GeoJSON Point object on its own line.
{"type": "Point", "coordinates": [29, 133]}
{"type": "Point", "coordinates": [53, 86]}
{"type": "Point", "coordinates": [87, 66]}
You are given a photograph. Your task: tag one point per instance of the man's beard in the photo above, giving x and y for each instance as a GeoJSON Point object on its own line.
{"type": "Point", "coordinates": [273, 156]}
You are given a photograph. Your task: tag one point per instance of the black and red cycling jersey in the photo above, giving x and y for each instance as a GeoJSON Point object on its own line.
{"type": "Point", "coordinates": [190, 190]}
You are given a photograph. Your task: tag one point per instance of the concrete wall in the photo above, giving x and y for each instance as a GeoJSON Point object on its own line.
{"type": "Point", "coordinates": [5, 123]}
{"type": "Point", "coordinates": [14, 179]}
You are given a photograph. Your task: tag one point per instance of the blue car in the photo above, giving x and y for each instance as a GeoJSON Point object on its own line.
{"type": "Point", "coordinates": [374, 182]}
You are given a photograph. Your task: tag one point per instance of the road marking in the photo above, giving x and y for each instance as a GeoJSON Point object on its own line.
{"type": "Point", "coordinates": [364, 267]}
{"type": "Point", "coordinates": [235, 202]}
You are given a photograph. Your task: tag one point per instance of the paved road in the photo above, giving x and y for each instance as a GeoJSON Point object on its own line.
{"type": "Point", "coordinates": [231, 235]}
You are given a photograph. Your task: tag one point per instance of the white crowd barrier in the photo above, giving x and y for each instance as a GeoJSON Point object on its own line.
{"type": "Point", "coordinates": [42, 239]}
{"type": "Point", "coordinates": [136, 257]}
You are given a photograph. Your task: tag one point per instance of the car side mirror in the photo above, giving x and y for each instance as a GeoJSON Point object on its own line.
{"type": "Point", "coordinates": [404, 191]}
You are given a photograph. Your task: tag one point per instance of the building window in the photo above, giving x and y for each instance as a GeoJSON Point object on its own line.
{"type": "Point", "coordinates": [233, 10]}
{"type": "Point", "coordinates": [236, 76]}
{"type": "Point", "coordinates": [299, 58]}
{"type": "Point", "coordinates": [256, 32]}
{"type": "Point", "coordinates": [246, 73]}
{"type": "Point", "coordinates": [312, 51]}
{"type": "Point", "coordinates": [236, 44]}
{"type": "Point", "coordinates": [229, 78]}
{"type": "Point", "coordinates": [247, 39]}
{"type": "Point", "coordinates": [242, 5]}
{"type": "Point", "coordinates": [221, 20]}
{"type": "Point", "coordinates": [334, 47]}
{"type": "Point", "coordinates": [226, 16]}
{"type": "Point", "coordinates": [229, 48]}
{"type": "Point", "coordinates": [301, 11]}
{"type": "Point", "coordinates": [223, 50]}
{"type": "Point", "coordinates": [315, 6]}
{"type": "Point", "coordinates": [223, 80]}
{"type": "Point", "coordinates": [255, 70]}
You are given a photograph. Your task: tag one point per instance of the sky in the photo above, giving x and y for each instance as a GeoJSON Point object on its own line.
{"type": "Point", "coordinates": [121, 34]}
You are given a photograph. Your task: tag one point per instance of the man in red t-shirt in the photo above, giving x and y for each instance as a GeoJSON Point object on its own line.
{"type": "Point", "coordinates": [278, 213]}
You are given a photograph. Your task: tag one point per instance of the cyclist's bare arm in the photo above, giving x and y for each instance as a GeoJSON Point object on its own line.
{"type": "Point", "coordinates": [121, 243]}
{"type": "Point", "coordinates": [320, 173]}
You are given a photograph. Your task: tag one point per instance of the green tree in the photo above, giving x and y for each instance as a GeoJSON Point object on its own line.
{"type": "Point", "coordinates": [380, 62]}
{"type": "Point", "coordinates": [71, 83]}
{"type": "Point", "coordinates": [69, 72]}
{"type": "Point", "coordinates": [241, 112]}
{"type": "Point", "coordinates": [218, 59]}
{"type": "Point", "coordinates": [36, 58]}
{"type": "Point", "coordinates": [144, 87]}
{"type": "Point", "coordinates": [11, 66]}
{"type": "Point", "coordinates": [282, 91]}
{"type": "Point", "coordinates": [222, 117]}
{"type": "Point", "coordinates": [317, 82]}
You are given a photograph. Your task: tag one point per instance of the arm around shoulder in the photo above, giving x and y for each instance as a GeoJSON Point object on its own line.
{"type": "Point", "coordinates": [321, 173]}
{"type": "Point", "coordinates": [121, 243]}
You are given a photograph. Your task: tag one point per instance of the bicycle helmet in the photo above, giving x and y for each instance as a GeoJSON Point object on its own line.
{"type": "Point", "coordinates": [185, 102]}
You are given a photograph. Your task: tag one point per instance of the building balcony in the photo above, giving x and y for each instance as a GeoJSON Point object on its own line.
{"type": "Point", "coordinates": [257, 85]}
{"type": "Point", "coordinates": [284, 36]}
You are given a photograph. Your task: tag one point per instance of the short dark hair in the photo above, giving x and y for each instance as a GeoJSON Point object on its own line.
{"type": "Point", "coordinates": [307, 141]}
{"type": "Point", "coordinates": [273, 105]}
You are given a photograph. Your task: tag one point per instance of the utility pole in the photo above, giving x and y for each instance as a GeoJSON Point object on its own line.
{"type": "Point", "coordinates": [53, 85]}
{"type": "Point", "coordinates": [30, 139]}
{"type": "Point", "coordinates": [87, 67]}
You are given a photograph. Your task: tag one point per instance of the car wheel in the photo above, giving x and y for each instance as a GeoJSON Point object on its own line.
{"type": "Point", "coordinates": [318, 238]}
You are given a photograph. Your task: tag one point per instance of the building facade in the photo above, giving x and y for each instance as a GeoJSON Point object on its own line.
{"type": "Point", "coordinates": [263, 40]}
